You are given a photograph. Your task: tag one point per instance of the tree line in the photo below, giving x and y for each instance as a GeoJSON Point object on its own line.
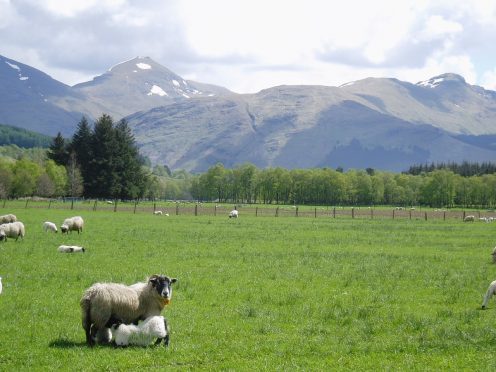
{"type": "Point", "coordinates": [438, 188]}
{"type": "Point", "coordinates": [465, 169]}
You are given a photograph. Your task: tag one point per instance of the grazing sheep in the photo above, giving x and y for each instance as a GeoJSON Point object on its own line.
{"type": "Point", "coordinates": [12, 230]}
{"type": "Point", "coordinates": [153, 327]}
{"type": "Point", "coordinates": [49, 226]}
{"type": "Point", "coordinates": [489, 293]}
{"type": "Point", "coordinates": [72, 224]}
{"type": "Point", "coordinates": [105, 301]}
{"type": "Point", "coordinates": [233, 214]}
{"type": "Point", "coordinates": [157, 213]}
{"type": "Point", "coordinates": [8, 218]}
{"type": "Point", "coordinates": [70, 249]}
{"type": "Point", "coordinates": [469, 218]}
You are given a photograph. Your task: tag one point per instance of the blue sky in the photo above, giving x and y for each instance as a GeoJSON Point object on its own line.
{"type": "Point", "coordinates": [249, 45]}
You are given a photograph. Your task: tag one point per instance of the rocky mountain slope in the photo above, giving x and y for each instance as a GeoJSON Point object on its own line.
{"type": "Point", "coordinates": [376, 122]}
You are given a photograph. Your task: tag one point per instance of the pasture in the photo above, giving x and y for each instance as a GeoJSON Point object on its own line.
{"type": "Point", "coordinates": [257, 293]}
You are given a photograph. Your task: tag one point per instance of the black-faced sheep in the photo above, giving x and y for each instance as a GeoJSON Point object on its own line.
{"type": "Point", "coordinates": [12, 230]}
{"type": "Point", "coordinates": [49, 226]}
{"type": "Point", "coordinates": [70, 249]}
{"type": "Point", "coordinates": [105, 301]}
{"type": "Point", "coordinates": [72, 224]}
{"type": "Point", "coordinates": [152, 328]}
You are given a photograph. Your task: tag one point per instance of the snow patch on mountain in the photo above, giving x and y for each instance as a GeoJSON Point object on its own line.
{"type": "Point", "coordinates": [143, 66]}
{"type": "Point", "coordinates": [157, 90]}
{"type": "Point", "coordinates": [431, 83]}
{"type": "Point", "coordinates": [15, 67]}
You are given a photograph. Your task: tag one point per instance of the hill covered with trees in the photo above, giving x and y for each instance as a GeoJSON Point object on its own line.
{"type": "Point", "coordinates": [23, 138]}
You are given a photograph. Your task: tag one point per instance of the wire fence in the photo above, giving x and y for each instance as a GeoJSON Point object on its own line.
{"type": "Point", "coordinates": [211, 209]}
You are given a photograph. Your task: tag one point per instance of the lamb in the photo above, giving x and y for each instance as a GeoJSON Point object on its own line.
{"type": "Point", "coordinates": [469, 218]}
{"type": "Point", "coordinates": [105, 301]}
{"type": "Point", "coordinates": [143, 333]}
{"type": "Point", "coordinates": [157, 213]}
{"type": "Point", "coordinates": [233, 214]}
{"type": "Point", "coordinates": [489, 293]}
{"type": "Point", "coordinates": [49, 226]}
{"type": "Point", "coordinates": [12, 230]}
{"type": "Point", "coordinates": [70, 249]}
{"type": "Point", "coordinates": [8, 218]}
{"type": "Point", "coordinates": [72, 224]}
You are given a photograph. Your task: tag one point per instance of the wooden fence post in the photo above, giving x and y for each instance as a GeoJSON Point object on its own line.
{"type": "Point", "coordinates": [334, 212]}
{"type": "Point", "coordinates": [27, 200]}
{"type": "Point", "coordinates": [352, 212]}
{"type": "Point", "coordinates": [4, 201]}
{"type": "Point", "coordinates": [115, 205]}
{"type": "Point", "coordinates": [49, 203]}
{"type": "Point", "coordinates": [410, 212]}
{"type": "Point", "coordinates": [444, 216]}
{"type": "Point", "coordinates": [315, 213]}
{"type": "Point", "coordinates": [277, 212]}
{"type": "Point", "coordinates": [393, 214]}
{"type": "Point", "coordinates": [196, 209]}
{"type": "Point", "coordinates": [256, 211]}
{"type": "Point", "coordinates": [72, 203]}
{"type": "Point", "coordinates": [154, 206]}
{"type": "Point", "coordinates": [177, 209]}
{"type": "Point", "coordinates": [425, 216]}
{"type": "Point", "coordinates": [94, 205]}
{"type": "Point", "coordinates": [215, 210]}
{"type": "Point", "coordinates": [135, 205]}
{"type": "Point", "coordinates": [371, 213]}
{"type": "Point", "coordinates": [463, 218]}
{"type": "Point", "coordinates": [296, 211]}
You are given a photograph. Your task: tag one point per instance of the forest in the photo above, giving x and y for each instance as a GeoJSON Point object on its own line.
{"type": "Point", "coordinates": [103, 161]}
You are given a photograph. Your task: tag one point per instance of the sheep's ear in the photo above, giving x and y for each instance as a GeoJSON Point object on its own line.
{"type": "Point", "coordinates": [173, 280]}
{"type": "Point", "coordinates": [153, 280]}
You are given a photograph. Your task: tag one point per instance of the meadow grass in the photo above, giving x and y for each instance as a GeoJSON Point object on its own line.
{"type": "Point", "coordinates": [254, 293]}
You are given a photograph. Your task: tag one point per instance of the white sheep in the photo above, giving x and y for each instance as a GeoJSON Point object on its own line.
{"type": "Point", "coordinates": [70, 249]}
{"type": "Point", "coordinates": [103, 302]}
{"type": "Point", "coordinates": [153, 327]}
{"type": "Point", "coordinates": [157, 213]}
{"type": "Point", "coordinates": [7, 218]}
{"type": "Point", "coordinates": [12, 230]}
{"type": "Point", "coordinates": [469, 218]}
{"type": "Point", "coordinates": [72, 224]}
{"type": "Point", "coordinates": [233, 214]}
{"type": "Point", "coordinates": [49, 226]}
{"type": "Point", "coordinates": [489, 293]}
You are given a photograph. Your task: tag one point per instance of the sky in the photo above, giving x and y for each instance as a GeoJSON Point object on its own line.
{"type": "Point", "coordinates": [250, 45]}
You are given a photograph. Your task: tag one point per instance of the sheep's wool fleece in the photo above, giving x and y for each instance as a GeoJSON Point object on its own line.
{"type": "Point", "coordinates": [142, 334]}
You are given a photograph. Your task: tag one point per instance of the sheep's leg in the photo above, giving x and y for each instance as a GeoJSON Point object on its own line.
{"type": "Point", "coordinates": [489, 294]}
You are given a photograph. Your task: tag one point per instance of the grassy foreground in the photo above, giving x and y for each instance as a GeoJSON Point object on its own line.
{"type": "Point", "coordinates": [260, 293]}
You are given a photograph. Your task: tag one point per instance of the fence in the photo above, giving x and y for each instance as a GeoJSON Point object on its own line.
{"type": "Point", "coordinates": [209, 209]}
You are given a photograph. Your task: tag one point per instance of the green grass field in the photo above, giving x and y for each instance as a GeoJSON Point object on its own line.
{"type": "Point", "coordinates": [257, 293]}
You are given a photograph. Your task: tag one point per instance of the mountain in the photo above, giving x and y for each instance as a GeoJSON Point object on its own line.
{"type": "Point", "coordinates": [388, 124]}
{"type": "Point", "coordinates": [381, 123]}
{"type": "Point", "coordinates": [32, 100]}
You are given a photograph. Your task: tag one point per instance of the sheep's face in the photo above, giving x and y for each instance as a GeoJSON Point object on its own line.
{"type": "Point", "coordinates": [64, 228]}
{"type": "Point", "coordinates": [2, 235]}
{"type": "Point", "coordinates": [163, 285]}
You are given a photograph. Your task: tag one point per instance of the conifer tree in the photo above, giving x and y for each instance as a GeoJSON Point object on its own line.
{"type": "Point", "coordinates": [58, 151]}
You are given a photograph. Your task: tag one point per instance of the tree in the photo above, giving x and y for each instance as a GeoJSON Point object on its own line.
{"type": "Point", "coordinates": [25, 178]}
{"type": "Point", "coordinates": [75, 186]}
{"type": "Point", "coordinates": [81, 147]}
{"type": "Point", "coordinates": [58, 150]}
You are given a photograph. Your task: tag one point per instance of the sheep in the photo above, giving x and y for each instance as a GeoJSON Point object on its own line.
{"type": "Point", "coordinates": [49, 226]}
{"type": "Point", "coordinates": [8, 218]}
{"type": "Point", "coordinates": [143, 333]}
{"type": "Point", "coordinates": [157, 213]}
{"type": "Point", "coordinates": [70, 249]}
{"type": "Point", "coordinates": [12, 230]}
{"type": "Point", "coordinates": [489, 293]}
{"type": "Point", "coordinates": [233, 214]}
{"type": "Point", "coordinates": [469, 218]}
{"type": "Point", "coordinates": [104, 301]}
{"type": "Point", "coordinates": [72, 224]}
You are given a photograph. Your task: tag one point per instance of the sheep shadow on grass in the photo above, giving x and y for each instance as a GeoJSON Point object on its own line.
{"type": "Point", "coordinates": [64, 343]}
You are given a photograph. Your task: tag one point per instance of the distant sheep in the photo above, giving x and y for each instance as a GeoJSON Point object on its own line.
{"type": "Point", "coordinates": [103, 302]}
{"type": "Point", "coordinates": [72, 224]}
{"type": "Point", "coordinates": [233, 214]}
{"type": "Point", "coordinates": [489, 293]}
{"type": "Point", "coordinates": [469, 218]}
{"type": "Point", "coordinates": [70, 249]}
{"type": "Point", "coordinates": [8, 218]}
{"type": "Point", "coordinates": [12, 230]}
{"type": "Point", "coordinates": [49, 226]}
{"type": "Point", "coordinates": [153, 327]}
{"type": "Point", "coordinates": [157, 213]}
